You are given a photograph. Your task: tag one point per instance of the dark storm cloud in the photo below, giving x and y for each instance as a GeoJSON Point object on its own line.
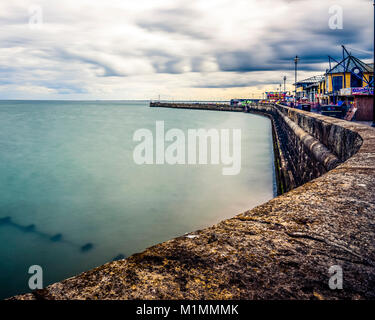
{"type": "Point", "coordinates": [243, 62]}
{"type": "Point", "coordinates": [312, 41]}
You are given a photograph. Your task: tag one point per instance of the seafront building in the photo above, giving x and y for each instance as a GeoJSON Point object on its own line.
{"type": "Point", "coordinates": [349, 80]}
{"type": "Point", "coordinates": [309, 88]}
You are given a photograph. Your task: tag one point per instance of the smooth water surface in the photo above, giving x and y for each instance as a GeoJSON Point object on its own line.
{"type": "Point", "coordinates": [68, 179]}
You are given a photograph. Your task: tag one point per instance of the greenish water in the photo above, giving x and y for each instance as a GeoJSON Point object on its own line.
{"type": "Point", "coordinates": [67, 168]}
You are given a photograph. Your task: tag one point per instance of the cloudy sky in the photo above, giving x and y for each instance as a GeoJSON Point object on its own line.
{"type": "Point", "coordinates": [180, 49]}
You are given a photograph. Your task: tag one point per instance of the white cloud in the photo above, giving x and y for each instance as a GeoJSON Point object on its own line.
{"type": "Point", "coordinates": [122, 49]}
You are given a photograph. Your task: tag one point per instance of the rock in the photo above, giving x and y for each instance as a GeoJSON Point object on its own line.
{"type": "Point", "coordinates": [5, 220]}
{"type": "Point", "coordinates": [87, 247]}
{"type": "Point", "coordinates": [29, 228]}
{"type": "Point", "coordinates": [56, 237]}
{"type": "Point", "coordinates": [119, 257]}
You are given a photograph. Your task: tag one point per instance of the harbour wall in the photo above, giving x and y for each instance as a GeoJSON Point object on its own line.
{"type": "Point", "coordinates": [283, 249]}
{"type": "Point", "coordinates": [305, 147]}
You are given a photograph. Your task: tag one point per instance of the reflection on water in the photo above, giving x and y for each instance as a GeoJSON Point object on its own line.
{"type": "Point", "coordinates": [71, 197]}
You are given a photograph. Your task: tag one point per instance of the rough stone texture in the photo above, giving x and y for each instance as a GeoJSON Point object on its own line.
{"type": "Point", "coordinates": [279, 250]}
{"type": "Point", "coordinates": [307, 146]}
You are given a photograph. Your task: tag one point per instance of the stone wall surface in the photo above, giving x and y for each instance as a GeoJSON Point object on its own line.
{"type": "Point", "coordinates": [282, 249]}
{"type": "Point", "coordinates": [310, 146]}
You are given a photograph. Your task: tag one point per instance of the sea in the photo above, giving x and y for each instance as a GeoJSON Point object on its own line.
{"type": "Point", "coordinates": [72, 197]}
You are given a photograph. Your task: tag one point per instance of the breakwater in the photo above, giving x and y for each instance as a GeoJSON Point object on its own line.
{"type": "Point", "coordinates": [282, 249]}
{"type": "Point", "coordinates": [306, 147]}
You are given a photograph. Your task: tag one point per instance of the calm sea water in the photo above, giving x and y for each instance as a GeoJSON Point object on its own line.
{"type": "Point", "coordinates": [67, 179]}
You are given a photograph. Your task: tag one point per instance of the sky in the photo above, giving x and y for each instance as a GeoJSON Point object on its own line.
{"type": "Point", "coordinates": [178, 49]}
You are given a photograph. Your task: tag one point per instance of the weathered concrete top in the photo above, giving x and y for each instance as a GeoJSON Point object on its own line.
{"type": "Point", "coordinates": [282, 249]}
{"type": "Point", "coordinates": [198, 106]}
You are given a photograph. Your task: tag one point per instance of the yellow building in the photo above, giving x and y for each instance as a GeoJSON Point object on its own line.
{"type": "Point", "coordinates": [323, 98]}
{"type": "Point", "coordinates": [348, 74]}
{"type": "Point", "coordinates": [350, 81]}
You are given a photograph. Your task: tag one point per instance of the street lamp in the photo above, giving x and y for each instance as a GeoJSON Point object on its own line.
{"type": "Point", "coordinates": [296, 59]}
{"type": "Point", "coordinates": [285, 81]}
{"type": "Point", "coordinates": [373, 106]}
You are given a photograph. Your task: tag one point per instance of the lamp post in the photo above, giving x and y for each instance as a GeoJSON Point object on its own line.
{"type": "Point", "coordinates": [296, 59]}
{"type": "Point", "coordinates": [284, 93]}
{"type": "Point", "coordinates": [373, 106]}
{"type": "Point", "coordinates": [285, 81]}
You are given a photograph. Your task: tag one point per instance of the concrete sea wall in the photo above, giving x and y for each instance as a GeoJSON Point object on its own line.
{"type": "Point", "coordinates": [282, 249]}
{"type": "Point", "coordinates": [307, 146]}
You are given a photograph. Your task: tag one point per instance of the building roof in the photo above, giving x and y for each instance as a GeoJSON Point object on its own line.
{"type": "Point", "coordinates": [350, 63]}
{"type": "Point", "coordinates": [310, 81]}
